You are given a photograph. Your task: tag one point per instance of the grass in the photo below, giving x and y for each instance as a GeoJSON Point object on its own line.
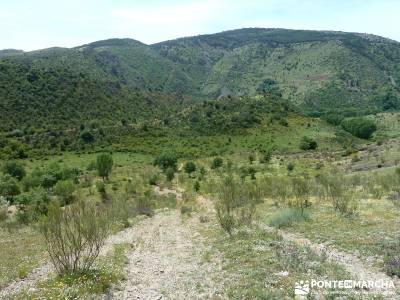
{"type": "Point", "coordinates": [108, 273]}
{"type": "Point", "coordinates": [261, 265]}
{"type": "Point", "coordinates": [21, 251]}
{"type": "Point", "coordinates": [287, 218]}
{"type": "Point", "coordinates": [362, 234]}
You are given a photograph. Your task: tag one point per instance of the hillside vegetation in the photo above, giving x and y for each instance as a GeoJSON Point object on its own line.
{"type": "Point", "coordinates": [323, 73]}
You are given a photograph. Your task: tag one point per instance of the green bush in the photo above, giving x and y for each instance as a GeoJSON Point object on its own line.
{"type": "Point", "coordinates": [301, 191]}
{"type": "Point", "coordinates": [359, 127]}
{"type": "Point", "coordinates": [290, 167]}
{"type": "Point", "coordinates": [9, 188]}
{"type": "Point", "coordinates": [14, 169]}
{"type": "Point", "coordinates": [166, 161]}
{"type": "Point", "coordinates": [190, 167]}
{"type": "Point", "coordinates": [308, 143]}
{"type": "Point", "coordinates": [217, 163]}
{"type": "Point", "coordinates": [74, 235]}
{"type": "Point", "coordinates": [288, 217]}
{"type": "Point", "coordinates": [196, 186]}
{"type": "Point", "coordinates": [236, 204]}
{"type": "Point", "coordinates": [48, 181]}
{"type": "Point", "coordinates": [170, 174]}
{"type": "Point", "coordinates": [32, 180]}
{"type": "Point", "coordinates": [145, 204]}
{"type": "Point", "coordinates": [65, 189]}
{"type": "Point", "coordinates": [104, 164]}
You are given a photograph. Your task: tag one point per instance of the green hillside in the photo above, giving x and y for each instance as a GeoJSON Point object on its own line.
{"type": "Point", "coordinates": [322, 73]}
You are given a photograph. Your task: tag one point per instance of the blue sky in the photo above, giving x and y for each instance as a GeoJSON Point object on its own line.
{"type": "Point", "coordinates": [37, 24]}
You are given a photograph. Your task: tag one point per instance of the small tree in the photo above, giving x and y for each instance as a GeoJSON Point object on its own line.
{"type": "Point", "coordinates": [14, 169]}
{"type": "Point", "coordinates": [9, 187]}
{"type": "Point", "coordinates": [65, 190]}
{"type": "Point", "coordinates": [87, 137]}
{"type": "Point", "coordinates": [217, 163]}
{"type": "Point", "coordinates": [190, 167]}
{"type": "Point", "coordinates": [266, 156]}
{"type": "Point", "coordinates": [196, 186]}
{"type": "Point", "coordinates": [301, 192]}
{"type": "Point", "coordinates": [104, 164]}
{"type": "Point", "coordinates": [74, 235]}
{"type": "Point", "coordinates": [308, 143]}
{"type": "Point", "coordinates": [251, 158]}
{"type": "Point", "coordinates": [235, 205]}
{"type": "Point", "coordinates": [166, 161]}
{"type": "Point", "coordinates": [170, 174]}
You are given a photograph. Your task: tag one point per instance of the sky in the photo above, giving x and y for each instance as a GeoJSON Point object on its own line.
{"type": "Point", "coordinates": [38, 24]}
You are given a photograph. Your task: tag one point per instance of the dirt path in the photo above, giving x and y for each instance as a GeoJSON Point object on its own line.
{"type": "Point", "coordinates": [352, 264]}
{"type": "Point", "coordinates": [166, 262]}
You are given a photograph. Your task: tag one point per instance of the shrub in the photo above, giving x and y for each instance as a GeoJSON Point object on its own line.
{"type": "Point", "coordinates": [301, 193]}
{"type": "Point", "coordinates": [290, 167]}
{"type": "Point", "coordinates": [145, 204]}
{"type": "Point", "coordinates": [196, 186]}
{"type": "Point", "coordinates": [360, 127]}
{"type": "Point", "coordinates": [266, 157]}
{"type": "Point", "coordinates": [3, 209]}
{"type": "Point", "coordinates": [87, 137]}
{"type": "Point", "coordinates": [307, 143]}
{"type": "Point", "coordinates": [280, 189]}
{"type": "Point", "coordinates": [48, 181]}
{"type": "Point", "coordinates": [251, 158]}
{"type": "Point", "coordinates": [14, 169]}
{"type": "Point", "coordinates": [392, 258]}
{"type": "Point", "coordinates": [288, 217]}
{"type": "Point", "coordinates": [166, 161]}
{"type": "Point", "coordinates": [236, 204]}
{"type": "Point", "coordinates": [74, 235]}
{"type": "Point", "coordinates": [153, 179]}
{"type": "Point", "coordinates": [91, 166]}
{"type": "Point", "coordinates": [217, 163]}
{"type": "Point", "coordinates": [186, 209]}
{"type": "Point", "coordinates": [65, 191]}
{"type": "Point", "coordinates": [170, 174]}
{"type": "Point", "coordinates": [32, 180]}
{"type": "Point", "coordinates": [9, 188]}
{"type": "Point", "coordinates": [341, 195]}
{"type": "Point", "coordinates": [190, 167]}
{"type": "Point", "coordinates": [104, 164]}
{"type": "Point", "coordinates": [101, 189]}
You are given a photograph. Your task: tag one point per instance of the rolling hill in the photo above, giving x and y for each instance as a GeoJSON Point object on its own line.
{"type": "Point", "coordinates": [322, 73]}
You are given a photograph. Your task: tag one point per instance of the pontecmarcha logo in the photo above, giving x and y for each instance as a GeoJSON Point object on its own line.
{"type": "Point", "coordinates": [302, 288]}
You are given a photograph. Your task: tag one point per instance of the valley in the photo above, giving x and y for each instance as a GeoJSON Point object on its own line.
{"type": "Point", "coordinates": [245, 164]}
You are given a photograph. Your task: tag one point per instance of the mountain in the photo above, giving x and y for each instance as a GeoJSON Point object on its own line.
{"type": "Point", "coordinates": [323, 73]}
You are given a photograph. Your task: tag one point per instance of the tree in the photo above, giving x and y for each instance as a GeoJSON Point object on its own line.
{"type": "Point", "coordinates": [74, 235]}
{"type": "Point", "coordinates": [251, 158]}
{"type": "Point", "coordinates": [170, 173]}
{"type": "Point", "coordinates": [14, 169]}
{"type": "Point", "coordinates": [360, 127]}
{"type": "Point", "coordinates": [9, 187]}
{"type": "Point", "coordinates": [65, 190]}
{"type": "Point", "coordinates": [196, 186]}
{"type": "Point", "coordinates": [217, 163]}
{"type": "Point", "coordinates": [308, 143]}
{"type": "Point", "coordinates": [190, 167]}
{"type": "Point", "coordinates": [87, 137]}
{"type": "Point", "coordinates": [166, 161]}
{"type": "Point", "coordinates": [104, 164]}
